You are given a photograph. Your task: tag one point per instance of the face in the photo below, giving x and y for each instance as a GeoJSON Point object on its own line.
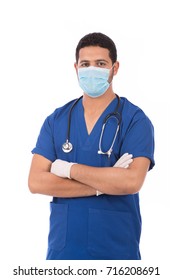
{"type": "Point", "coordinates": [98, 57]}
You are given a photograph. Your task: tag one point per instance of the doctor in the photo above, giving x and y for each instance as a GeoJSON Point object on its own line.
{"type": "Point", "coordinates": [83, 159]}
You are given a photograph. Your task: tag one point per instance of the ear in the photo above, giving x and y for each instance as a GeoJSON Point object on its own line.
{"type": "Point", "coordinates": [76, 68]}
{"type": "Point", "coordinates": [116, 67]}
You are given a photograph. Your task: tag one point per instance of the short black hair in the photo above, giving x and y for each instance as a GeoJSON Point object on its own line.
{"type": "Point", "coordinates": [100, 40]}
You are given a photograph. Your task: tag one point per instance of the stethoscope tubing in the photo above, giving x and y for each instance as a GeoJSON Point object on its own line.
{"type": "Point", "coordinates": [67, 146]}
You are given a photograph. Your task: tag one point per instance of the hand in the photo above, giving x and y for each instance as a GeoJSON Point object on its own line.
{"type": "Point", "coordinates": [124, 161]}
{"type": "Point", "coordinates": [61, 168]}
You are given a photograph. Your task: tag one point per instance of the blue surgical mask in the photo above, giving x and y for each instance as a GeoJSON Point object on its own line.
{"type": "Point", "coordinates": [94, 80]}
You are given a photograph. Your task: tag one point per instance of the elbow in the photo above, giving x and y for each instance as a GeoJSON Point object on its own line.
{"type": "Point", "coordinates": [128, 188]}
{"type": "Point", "coordinates": [32, 190]}
{"type": "Point", "coordinates": [130, 185]}
{"type": "Point", "coordinates": [133, 189]}
{"type": "Point", "coordinates": [134, 185]}
{"type": "Point", "coordinates": [32, 186]}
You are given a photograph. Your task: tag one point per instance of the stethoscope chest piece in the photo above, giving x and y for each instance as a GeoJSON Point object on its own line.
{"type": "Point", "coordinates": [67, 147]}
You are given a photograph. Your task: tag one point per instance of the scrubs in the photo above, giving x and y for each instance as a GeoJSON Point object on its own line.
{"type": "Point", "coordinates": [96, 227]}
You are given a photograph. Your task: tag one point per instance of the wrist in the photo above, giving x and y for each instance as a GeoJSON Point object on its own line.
{"type": "Point", "coordinates": [72, 170]}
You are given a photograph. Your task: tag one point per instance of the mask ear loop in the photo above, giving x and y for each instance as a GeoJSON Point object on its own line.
{"type": "Point", "coordinates": [110, 79]}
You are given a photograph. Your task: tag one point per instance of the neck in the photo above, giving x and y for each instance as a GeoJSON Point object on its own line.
{"type": "Point", "coordinates": [99, 103]}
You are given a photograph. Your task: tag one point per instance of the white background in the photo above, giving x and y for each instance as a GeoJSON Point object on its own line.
{"type": "Point", "coordinates": [37, 53]}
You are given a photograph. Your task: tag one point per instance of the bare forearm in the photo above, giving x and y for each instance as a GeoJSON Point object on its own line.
{"type": "Point", "coordinates": [106, 180]}
{"type": "Point", "coordinates": [111, 180]}
{"type": "Point", "coordinates": [49, 184]}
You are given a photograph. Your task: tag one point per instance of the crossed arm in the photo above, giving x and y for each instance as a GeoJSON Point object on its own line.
{"type": "Point", "coordinates": [86, 180]}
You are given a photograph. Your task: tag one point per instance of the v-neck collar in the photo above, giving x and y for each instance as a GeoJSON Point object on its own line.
{"type": "Point", "coordinates": [85, 138]}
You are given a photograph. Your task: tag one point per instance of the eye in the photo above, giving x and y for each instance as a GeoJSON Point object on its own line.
{"type": "Point", "coordinates": [84, 64]}
{"type": "Point", "coordinates": [101, 64]}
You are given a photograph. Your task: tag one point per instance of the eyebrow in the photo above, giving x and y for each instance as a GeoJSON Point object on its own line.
{"type": "Point", "coordinates": [97, 60]}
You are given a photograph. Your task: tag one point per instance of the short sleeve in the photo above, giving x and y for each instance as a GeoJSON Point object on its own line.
{"type": "Point", "coordinates": [45, 142]}
{"type": "Point", "coordinates": [139, 139]}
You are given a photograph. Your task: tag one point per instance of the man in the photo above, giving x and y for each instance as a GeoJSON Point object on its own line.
{"type": "Point", "coordinates": [83, 158]}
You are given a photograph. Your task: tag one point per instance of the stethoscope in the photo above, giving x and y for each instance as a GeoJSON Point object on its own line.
{"type": "Point", "coordinates": [67, 146]}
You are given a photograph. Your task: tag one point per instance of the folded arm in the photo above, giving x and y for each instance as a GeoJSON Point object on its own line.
{"type": "Point", "coordinates": [126, 178]}
{"type": "Point", "coordinates": [42, 181]}
{"type": "Point", "coordinates": [115, 181]}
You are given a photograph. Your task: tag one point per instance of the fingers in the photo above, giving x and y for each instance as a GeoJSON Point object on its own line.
{"type": "Point", "coordinates": [127, 163]}
{"type": "Point", "coordinates": [124, 160]}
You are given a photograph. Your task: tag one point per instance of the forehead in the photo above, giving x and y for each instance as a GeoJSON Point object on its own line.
{"type": "Point", "coordinates": [94, 53]}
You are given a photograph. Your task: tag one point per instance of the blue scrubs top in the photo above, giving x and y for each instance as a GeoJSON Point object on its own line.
{"type": "Point", "coordinates": [107, 226]}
